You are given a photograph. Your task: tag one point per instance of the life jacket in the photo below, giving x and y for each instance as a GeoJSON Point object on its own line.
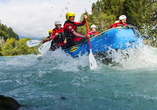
{"type": "Point", "coordinates": [73, 35]}
{"type": "Point", "coordinates": [119, 25]}
{"type": "Point", "coordinates": [111, 26]}
{"type": "Point", "coordinates": [55, 30]}
{"type": "Point", "coordinates": [93, 33]}
{"type": "Point", "coordinates": [59, 39]}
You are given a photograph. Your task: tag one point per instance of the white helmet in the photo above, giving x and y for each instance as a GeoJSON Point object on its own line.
{"type": "Point", "coordinates": [93, 26]}
{"type": "Point", "coordinates": [57, 22]}
{"type": "Point", "coordinates": [122, 17]}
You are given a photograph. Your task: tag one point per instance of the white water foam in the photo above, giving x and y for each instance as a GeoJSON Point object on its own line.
{"type": "Point", "coordinates": [21, 60]}
{"type": "Point", "coordinates": [17, 62]}
{"type": "Point", "coordinates": [143, 57]}
{"type": "Point", "coordinates": [63, 61]}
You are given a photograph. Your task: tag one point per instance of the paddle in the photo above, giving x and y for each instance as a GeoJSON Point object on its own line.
{"type": "Point", "coordinates": [92, 60]}
{"type": "Point", "coordinates": [46, 46]}
{"type": "Point", "coordinates": [32, 43]}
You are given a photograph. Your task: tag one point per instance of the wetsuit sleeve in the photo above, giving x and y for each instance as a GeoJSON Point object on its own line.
{"type": "Point", "coordinates": [71, 30]}
{"type": "Point", "coordinates": [80, 23]}
{"type": "Point", "coordinates": [46, 39]}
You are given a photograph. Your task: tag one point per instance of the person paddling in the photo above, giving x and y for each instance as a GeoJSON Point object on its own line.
{"type": "Point", "coordinates": [93, 31]}
{"type": "Point", "coordinates": [59, 40]}
{"type": "Point", "coordinates": [70, 30]}
{"type": "Point", "coordinates": [57, 29]}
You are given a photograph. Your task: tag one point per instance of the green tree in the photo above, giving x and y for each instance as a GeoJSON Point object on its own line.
{"type": "Point", "coordinates": [14, 47]}
{"type": "Point", "coordinates": [7, 50]}
{"type": "Point", "coordinates": [1, 50]}
{"type": "Point", "coordinates": [101, 16]}
{"type": "Point", "coordinates": [4, 28]}
{"type": "Point", "coordinates": [135, 10]}
{"type": "Point", "coordinates": [151, 21]}
{"type": "Point", "coordinates": [2, 33]}
{"type": "Point", "coordinates": [23, 49]}
{"type": "Point", "coordinates": [7, 32]}
{"type": "Point", "coordinates": [11, 33]}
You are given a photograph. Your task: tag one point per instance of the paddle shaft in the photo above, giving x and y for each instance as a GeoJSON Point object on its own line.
{"type": "Point", "coordinates": [87, 33]}
{"type": "Point", "coordinates": [53, 37]}
{"type": "Point", "coordinates": [92, 60]}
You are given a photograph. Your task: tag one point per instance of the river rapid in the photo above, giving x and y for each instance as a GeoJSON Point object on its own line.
{"type": "Point", "coordinates": [59, 82]}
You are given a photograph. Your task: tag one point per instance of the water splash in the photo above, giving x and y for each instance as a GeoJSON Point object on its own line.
{"type": "Point", "coordinates": [62, 61]}
{"type": "Point", "coordinates": [141, 57]}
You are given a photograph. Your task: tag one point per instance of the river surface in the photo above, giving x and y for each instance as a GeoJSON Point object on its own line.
{"type": "Point", "coordinates": [59, 82]}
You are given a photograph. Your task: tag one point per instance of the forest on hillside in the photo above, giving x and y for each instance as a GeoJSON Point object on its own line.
{"type": "Point", "coordinates": [7, 32]}
{"type": "Point", "coordinates": [140, 13]}
{"type": "Point", "coordinates": [13, 45]}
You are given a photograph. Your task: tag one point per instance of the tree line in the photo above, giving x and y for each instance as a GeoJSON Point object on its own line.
{"type": "Point", "coordinates": [140, 13]}
{"type": "Point", "coordinates": [7, 32]}
{"type": "Point", "coordinates": [13, 46]}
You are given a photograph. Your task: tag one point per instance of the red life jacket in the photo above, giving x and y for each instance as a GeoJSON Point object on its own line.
{"type": "Point", "coordinates": [59, 39]}
{"type": "Point", "coordinates": [70, 30]}
{"type": "Point", "coordinates": [55, 30]}
{"type": "Point", "coordinates": [111, 26]}
{"type": "Point", "coordinates": [119, 25]}
{"type": "Point", "coordinates": [93, 33]}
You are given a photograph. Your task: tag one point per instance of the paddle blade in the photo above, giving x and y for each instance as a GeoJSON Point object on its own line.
{"type": "Point", "coordinates": [32, 43]}
{"type": "Point", "coordinates": [44, 47]}
{"type": "Point", "coordinates": [92, 60]}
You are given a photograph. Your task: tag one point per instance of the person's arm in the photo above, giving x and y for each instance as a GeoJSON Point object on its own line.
{"type": "Point", "coordinates": [80, 23]}
{"type": "Point", "coordinates": [47, 39]}
{"type": "Point", "coordinates": [71, 30]}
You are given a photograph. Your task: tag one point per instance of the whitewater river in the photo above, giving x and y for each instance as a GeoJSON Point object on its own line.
{"type": "Point", "coordinates": [59, 82]}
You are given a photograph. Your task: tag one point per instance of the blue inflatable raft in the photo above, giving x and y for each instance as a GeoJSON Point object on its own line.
{"type": "Point", "coordinates": [114, 38]}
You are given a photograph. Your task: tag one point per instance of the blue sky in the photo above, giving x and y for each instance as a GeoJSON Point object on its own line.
{"type": "Point", "coordinates": [33, 18]}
